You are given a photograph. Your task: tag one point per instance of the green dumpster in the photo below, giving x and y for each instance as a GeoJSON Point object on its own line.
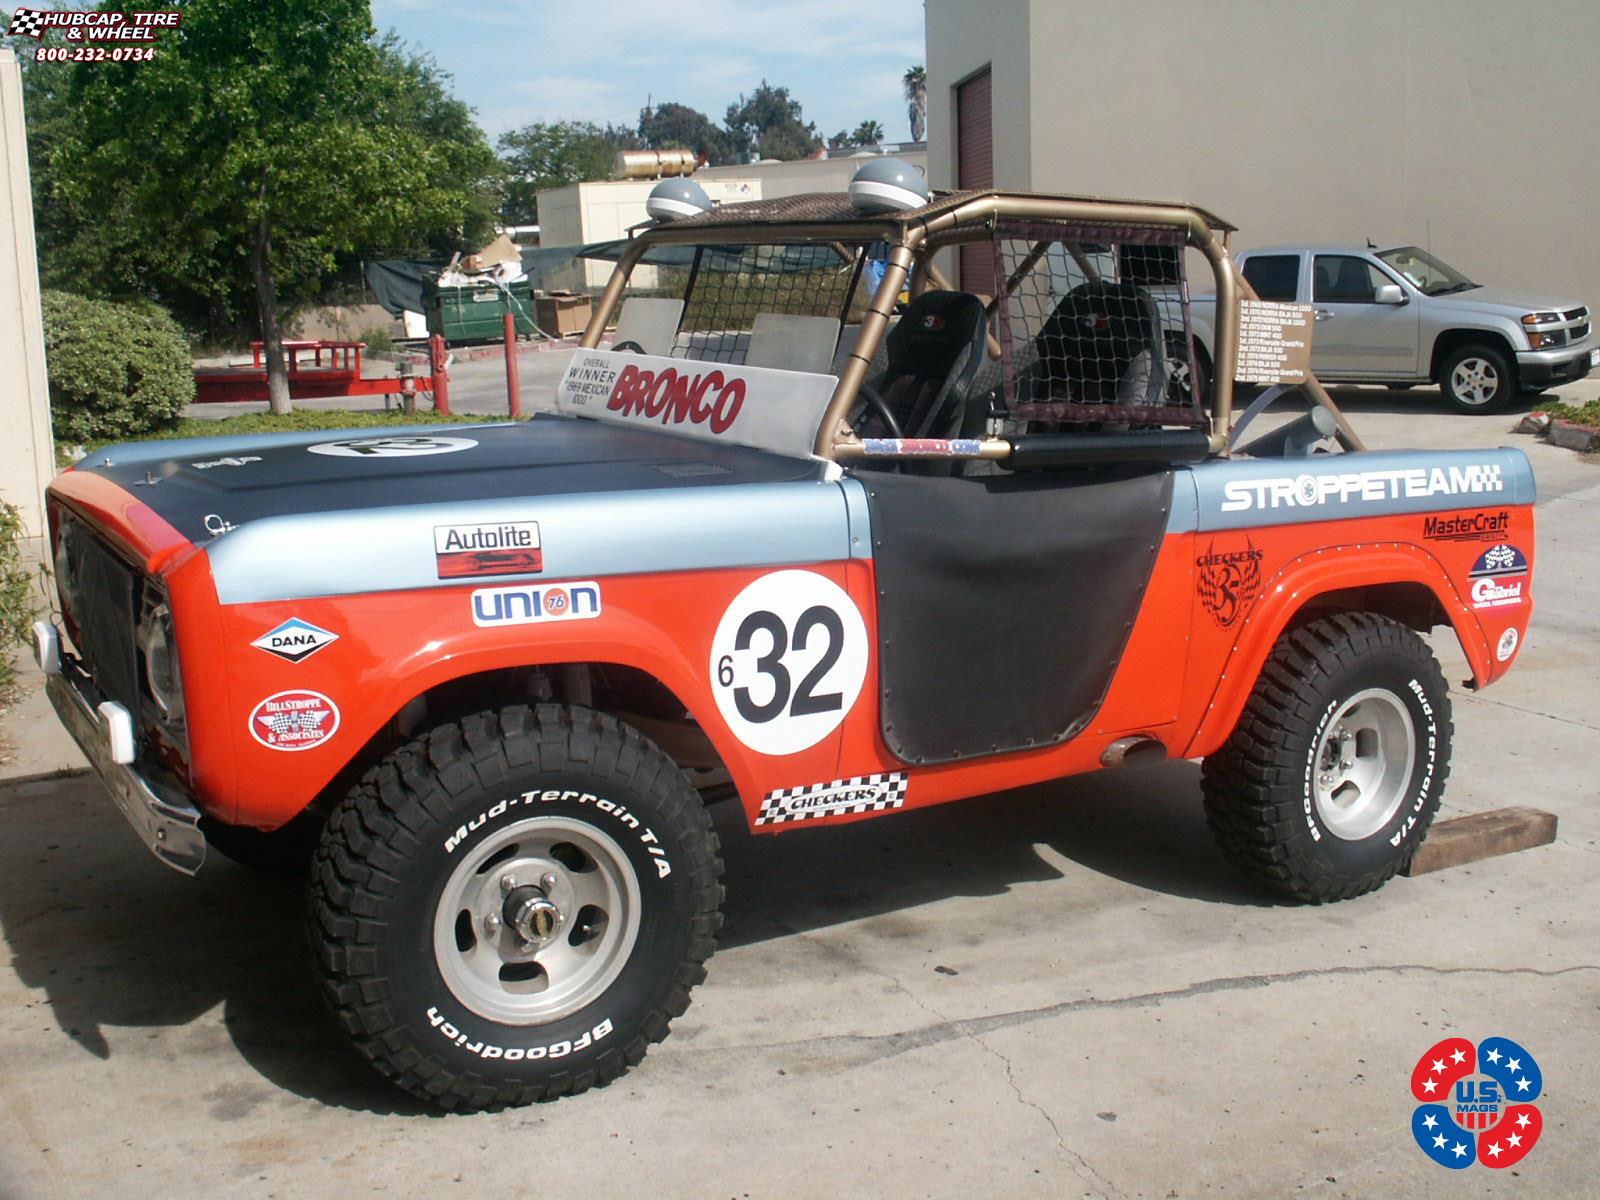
{"type": "Point", "coordinates": [477, 314]}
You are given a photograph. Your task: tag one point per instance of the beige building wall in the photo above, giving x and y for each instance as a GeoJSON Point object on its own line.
{"type": "Point", "coordinates": [1461, 125]}
{"type": "Point", "coordinates": [27, 453]}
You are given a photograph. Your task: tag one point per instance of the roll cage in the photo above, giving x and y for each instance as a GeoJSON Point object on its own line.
{"type": "Point", "coordinates": [909, 242]}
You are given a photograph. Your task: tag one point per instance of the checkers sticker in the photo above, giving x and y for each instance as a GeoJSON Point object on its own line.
{"type": "Point", "coordinates": [864, 793]}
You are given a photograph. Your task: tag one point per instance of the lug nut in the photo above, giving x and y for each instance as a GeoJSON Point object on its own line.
{"type": "Point", "coordinates": [548, 881]}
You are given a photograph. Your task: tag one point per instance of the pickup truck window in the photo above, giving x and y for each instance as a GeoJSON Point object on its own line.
{"type": "Point", "coordinates": [1427, 274]}
{"type": "Point", "coordinates": [1274, 276]}
{"type": "Point", "coordinates": [1345, 279]}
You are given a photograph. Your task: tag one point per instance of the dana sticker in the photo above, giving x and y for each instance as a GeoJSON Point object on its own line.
{"type": "Point", "coordinates": [1500, 561]}
{"type": "Point", "coordinates": [864, 793]}
{"type": "Point", "coordinates": [1467, 527]}
{"type": "Point", "coordinates": [295, 640]}
{"type": "Point", "coordinates": [392, 447]}
{"type": "Point", "coordinates": [294, 720]}
{"type": "Point", "coordinates": [1507, 646]}
{"type": "Point", "coordinates": [535, 603]}
{"type": "Point", "coordinates": [788, 661]}
{"type": "Point", "coordinates": [1228, 581]}
{"type": "Point", "coordinates": [507, 548]}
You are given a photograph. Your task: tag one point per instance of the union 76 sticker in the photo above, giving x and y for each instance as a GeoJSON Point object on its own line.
{"type": "Point", "coordinates": [788, 661]}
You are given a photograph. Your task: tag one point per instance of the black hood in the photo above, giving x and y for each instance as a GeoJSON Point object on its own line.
{"type": "Point", "coordinates": [202, 487]}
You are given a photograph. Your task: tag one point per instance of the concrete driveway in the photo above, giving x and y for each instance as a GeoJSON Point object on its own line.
{"type": "Point", "coordinates": [1058, 992]}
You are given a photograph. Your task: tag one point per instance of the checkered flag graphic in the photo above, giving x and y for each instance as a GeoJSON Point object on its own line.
{"type": "Point", "coordinates": [306, 721]}
{"type": "Point", "coordinates": [26, 22]}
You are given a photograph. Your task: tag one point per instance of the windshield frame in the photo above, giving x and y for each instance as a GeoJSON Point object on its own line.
{"type": "Point", "coordinates": [1452, 280]}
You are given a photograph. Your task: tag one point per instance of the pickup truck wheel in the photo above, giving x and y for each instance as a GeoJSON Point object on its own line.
{"type": "Point", "coordinates": [513, 906]}
{"type": "Point", "coordinates": [1477, 379]}
{"type": "Point", "coordinates": [1329, 782]}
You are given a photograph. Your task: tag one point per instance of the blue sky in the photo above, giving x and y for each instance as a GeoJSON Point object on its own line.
{"type": "Point", "coordinates": [517, 61]}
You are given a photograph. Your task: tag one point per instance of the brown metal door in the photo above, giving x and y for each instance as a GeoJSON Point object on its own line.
{"type": "Point", "coordinates": [975, 169]}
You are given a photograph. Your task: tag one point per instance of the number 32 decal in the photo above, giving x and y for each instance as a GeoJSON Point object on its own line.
{"type": "Point", "coordinates": [788, 661]}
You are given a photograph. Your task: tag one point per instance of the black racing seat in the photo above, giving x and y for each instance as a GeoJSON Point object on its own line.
{"type": "Point", "coordinates": [934, 353]}
{"type": "Point", "coordinates": [1101, 345]}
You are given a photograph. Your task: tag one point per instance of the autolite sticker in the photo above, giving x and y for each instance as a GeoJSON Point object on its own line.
{"type": "Point", "coordinates": [863, 793]}
{"type": "Point", "coordinates": [506, 548]}
{"type": "Point", "coordinates": [294, 720]}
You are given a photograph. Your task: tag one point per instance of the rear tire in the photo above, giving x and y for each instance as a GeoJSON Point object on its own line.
{"type": "Point", "coordinates": [1477, 379]}
{"type": "Point", "coordinates": [513, 906]}
{"type": "Point", "coordinates": [1329, 782]}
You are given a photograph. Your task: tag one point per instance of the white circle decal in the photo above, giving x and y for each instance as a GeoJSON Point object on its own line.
{"type": "Point", "coordinates": [392, 447]}
{"type": "Point", "coordinates": [1507, 646]}
{"type": "Point", "coordinates": [788, 661]}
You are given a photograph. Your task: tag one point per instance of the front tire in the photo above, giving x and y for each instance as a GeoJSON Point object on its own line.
{"type": "Point", "coordinates": [513, 906]}
{"type": "Point", "coordinates": [1477, 379]}
{"type": "Point", "coordinates": [1329, 782]}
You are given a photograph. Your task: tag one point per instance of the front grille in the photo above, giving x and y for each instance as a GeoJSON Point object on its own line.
{"type": "Point", "coordinates": [1577, 333]}
{"type": "Point", "coordinates": [100, 595]}
{"type": "Point", "coordinates": [1576, 314]}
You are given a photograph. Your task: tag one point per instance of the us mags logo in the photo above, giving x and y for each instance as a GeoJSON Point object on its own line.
{"type": "Point", "coordinates": [1476, 1103]}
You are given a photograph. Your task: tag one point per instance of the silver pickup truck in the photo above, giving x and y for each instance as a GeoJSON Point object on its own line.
{"type": "Point", "coordinates": [1402, 317]}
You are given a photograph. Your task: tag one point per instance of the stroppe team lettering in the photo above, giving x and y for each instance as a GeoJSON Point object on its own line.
{"type": "Point", "coordinates": [1407, 483]}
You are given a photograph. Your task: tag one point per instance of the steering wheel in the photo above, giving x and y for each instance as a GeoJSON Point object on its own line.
{"type": "Point", "coordinates": [630, 346]}
{"type": "Point", "coordinates": [881, 408]}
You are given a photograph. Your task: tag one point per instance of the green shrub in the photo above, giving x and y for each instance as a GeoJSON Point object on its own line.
{"type": "Point", "coordinates": [117, 371]}
{"type": "Point", "coordinates": [376, 339]}
{"type": "Point", "coordinates": [17, 608]}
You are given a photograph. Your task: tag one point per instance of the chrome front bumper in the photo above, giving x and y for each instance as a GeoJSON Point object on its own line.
{"type": "Point", "coordinates": [168, 823]}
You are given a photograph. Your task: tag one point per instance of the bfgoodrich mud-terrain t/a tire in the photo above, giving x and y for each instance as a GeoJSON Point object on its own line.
{"type": "Point", "coordinates": [1332, 776]}
{"type": "Point", "coordinates": [511, 907]}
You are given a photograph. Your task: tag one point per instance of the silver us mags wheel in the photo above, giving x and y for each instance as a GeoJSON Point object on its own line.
{"type": "Point", "coordinates": [511, 907]}
{"type": "Point", "coordinates": [1363, 763]}
{"type": "Point", "coordinates": [537, 920]}
{"type": "Point", "coordinates": [1329, 781]}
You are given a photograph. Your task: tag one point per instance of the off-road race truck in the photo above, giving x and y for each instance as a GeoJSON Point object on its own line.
{"type": "Point", "coordinates": [776, 547]}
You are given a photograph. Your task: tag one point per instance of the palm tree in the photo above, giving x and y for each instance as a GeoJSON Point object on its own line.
{"type": "Point", "coordinates": [868, 133]}
{"type": "Point", "coordinates": [916, 85]}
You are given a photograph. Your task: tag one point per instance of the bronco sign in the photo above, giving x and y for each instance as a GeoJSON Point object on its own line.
{"type": "Point", "coordinates": [724, 402]}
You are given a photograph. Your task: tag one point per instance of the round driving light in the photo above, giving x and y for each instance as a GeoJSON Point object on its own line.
{"type": "Point", "coordinates": [161, 662]}
{"type": "Point", "coordinates": [888, 185]}
{"type": "Point", "coordinates": [673, 199]}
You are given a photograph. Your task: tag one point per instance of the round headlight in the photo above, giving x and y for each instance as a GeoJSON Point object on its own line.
{"type": "Point", "coordinates": [156, 644]}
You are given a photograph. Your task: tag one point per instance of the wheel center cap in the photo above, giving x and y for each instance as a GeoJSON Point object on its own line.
{"type": "Point", "coordinates": [531, 914]}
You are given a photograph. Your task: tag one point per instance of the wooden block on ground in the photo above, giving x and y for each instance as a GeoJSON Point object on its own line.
{"type": "Point", "coordinates": [1466, 839]}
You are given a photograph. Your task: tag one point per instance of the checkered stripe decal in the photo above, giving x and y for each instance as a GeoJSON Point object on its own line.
{"type": "Point", "coordinates": [859, 794]}
{"type": "Point", "coordinates": [26, 22]}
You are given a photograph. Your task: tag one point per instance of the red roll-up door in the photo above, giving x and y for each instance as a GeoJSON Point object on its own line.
{"type": "Point", "coordinates": [975, 169]}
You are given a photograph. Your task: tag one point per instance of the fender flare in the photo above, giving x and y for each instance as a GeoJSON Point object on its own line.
{"type": "Point", "coordinates": [1299, 582]}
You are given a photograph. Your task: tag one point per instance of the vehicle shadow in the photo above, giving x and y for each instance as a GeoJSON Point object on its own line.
{"type": "Point", "coordinates": [1142, 825]}
{"type": "Point", "coordinates": [116, 941]}
{"type": "Point", "coordinates": [1422, 400]}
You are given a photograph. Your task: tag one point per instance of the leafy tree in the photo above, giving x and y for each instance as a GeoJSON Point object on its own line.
{"type": "Point", "coordinates": [868, 133]}
{"type": "Point", "coordinates": [769, 122]}
{"type": "Point", "coordinates": [265, 139]}
{"type": "Point", "coordinates": [915, 82]}
{"type": "Point", "coordinates": [839, 141]}
{"type": "Point", "coordinates": [549, 154]}
{"type": "Point", "coordinates": [672, 126]}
